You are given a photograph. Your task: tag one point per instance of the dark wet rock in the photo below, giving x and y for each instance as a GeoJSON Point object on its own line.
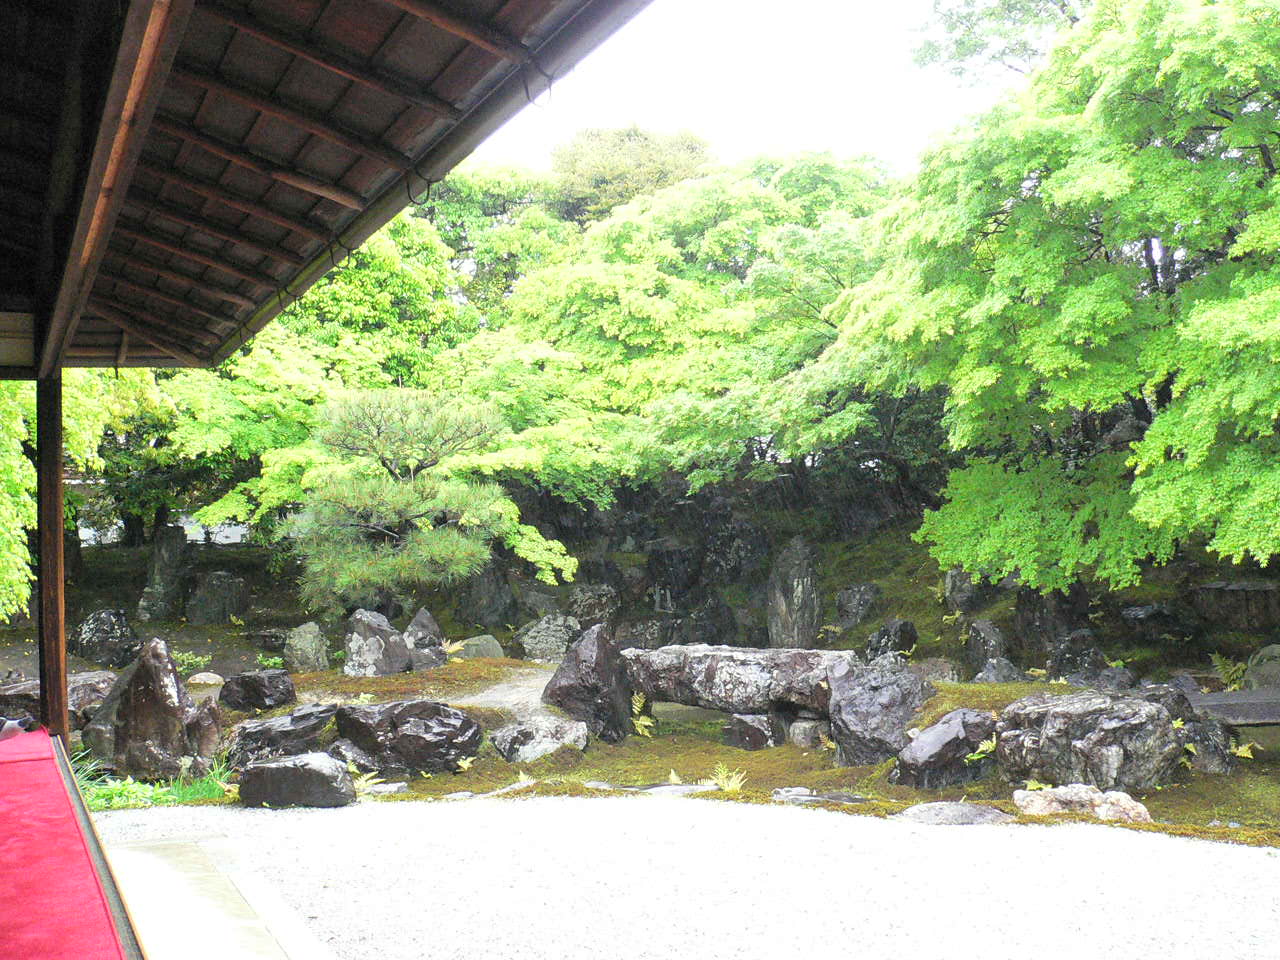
{"type": "Point", "coordinates": [305, 650]}
{"type": "Point", "coordinates": [592, 685]}
{"type": "Point", "coordinates": [539, 603]}
{"type": "Point", "coordinates": [166, 576]}
{"type": "Point", "coordinates": [294, 733]}
{"type": "Point", "coordinates": [753, 731]}
{"type": "Point", "coordinates": [218, 597]}
{"type": "Point", "coordinates": [1185, 682]}
{"type": "Point", "coordinates": [1248, 605]}
{"type": "Point", "coordinates": [1157, 624]}
{"type": "Point", "coordinates": [427, 659]}
{"type": "Point", "coordinates": [86, 692]}
{"type": "Point", "coordinates": [674, 567]}
{"type": "Point", "coordinates": [307, 780]}
{"type": "Point", "coordinates": [593, 603]}
{"type": "Point", "coordinates": [148, 727]}
{"type": "Point", "coordinates": [644, 634]}
{"type": "Point", "coordinates": [270, 639]}
{"type": "Point", "coordinates": [896, 636]}
{"type": "Point", "coordinates": [257, 690]}
{"type": "Point", "coordinates": [423, 633]}
{"type": "Point", "coordinates": [535, 737]}
{"type": "Point", "coordinates": [374, 648]}
{"type": "Point", "coordinates": [983, 641]}
{"type": "Point", "coordinates": [871, 708]}
{"type": "Point", "coordinates": [953, 814]}
{"type": "Point", "coordinates": [735, 550]}
{"type": "Point", "coordinates": [353, 756]}
{"type": "Point", "coordinates": [548, 639]}
{"type": "Point", "coordinates": [735, 679]}
{"type": "Point", "coordinates": [1109, 678]}
{"type": "Point", "coordinates": [1264, 669]}
{"type": "Point", "coordinates": [805, 795]}
{"type": "Point", "coordinates": [961, 593]}
{"type": "Point", "coordinates": [105, 637]}
{"type": "Point", "coordinates": [489, 600]}
{"type": "Point", "coordinates": [792, 602]}
{"type": "Point", "coordinates": [1107, 740]}
{"type": "Point", "coordinates": [1075, 655]}
{"type": "Point", "coordinates": [1042, 619]}
{"type": "Point", "coordinates": [410, 736]}
{"type": "Point", "coordinates": [854, 604]}
{"type": "Point", "coordinates": [1000, 670]}
{"type": "Point", "coordinates": [938, 756]}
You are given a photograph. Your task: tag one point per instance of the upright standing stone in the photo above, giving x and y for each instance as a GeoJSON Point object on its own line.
{"type": "Point", "coordinates": [374, 648]}
{"type": "Point", "coordinates": [162, 596]}
{"type": "Point", "coordinates": [305, 649]}
{"type": "Point", "coordinates": [219, 595]}
{"type": "Point", "coordinates": [793, 598]}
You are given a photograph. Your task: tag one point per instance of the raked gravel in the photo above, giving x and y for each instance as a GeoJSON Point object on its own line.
{"type": "Point", "coordinates": [658, 878]}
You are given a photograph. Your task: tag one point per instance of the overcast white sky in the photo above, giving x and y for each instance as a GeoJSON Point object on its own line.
{"type": "Point", "coordinates": [753, 77]}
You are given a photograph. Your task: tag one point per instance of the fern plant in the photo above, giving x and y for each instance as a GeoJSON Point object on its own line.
{"type": "Point", "coordinates": [729, 781]}
{"type": "Point", "coordinates": [639, 719]}
{"type": "Point", "coordinates": [1230, 672]}
{"type": "Point", "coordinates": [982, 751]}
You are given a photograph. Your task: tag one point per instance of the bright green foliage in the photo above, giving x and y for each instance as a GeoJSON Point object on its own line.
{"type": "Point", "coordinates": [382, 512]}
{"type": "Point", "coordinates": [1097, 257]}
{"type": "Point", "coordinates": [970, 34]}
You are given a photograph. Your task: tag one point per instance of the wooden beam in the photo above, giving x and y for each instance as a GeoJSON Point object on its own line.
{"type": "Point", "coordinates": [307, 120]}
{"type": "Point", "coordinates": [216, 230]}
{"type": "Point", "coordinates": [50, 527]}
{"type": "Point", "coordinates": [162, 270]}
{"type": "Point", "coordinates": [333, 62]}
{"type": "Point", "coordinates": [268, 168]}
{"type": "Point", "coordinates": [197, 256]}
{"type": "Point", "coordinates": [180, 326]}
{"type": "Point", "coordinates": [220, 194]}
{"type": "Point", "coordinates": [130, 324]}
{"type": "Point", "coordinates": [122, 354]}
{"type": "Point", "coordinates": [482, 34]}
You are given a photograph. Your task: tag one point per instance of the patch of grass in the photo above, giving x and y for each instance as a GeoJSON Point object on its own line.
{"type": "Point", "coordinates": [104, 792]}
{"type": "Point", "coordinates": [981, 696]}
{"type": "Point", "coordinates": [453, 680]}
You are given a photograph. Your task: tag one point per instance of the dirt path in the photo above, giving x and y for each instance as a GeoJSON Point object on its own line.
{"type": "Point", "coordinates": [520, 696]}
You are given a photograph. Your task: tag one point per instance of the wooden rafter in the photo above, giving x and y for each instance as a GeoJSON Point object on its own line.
{"type": "Point", "coordinates": [132, 325]}
{"type": "Point", "coordinates": [183, 131]}
{"type": "Point", "coordinates": [218, 231]}
{"type": "Point", "coordinates": [220, 194]}
{"type": "Point", "coordinates": [483, 35]}
{"type": "Point", "coordinates": [303, 119]}
{"type": "Point", "coordinates": [196, 256]}
{"type": "Point", "coordinates": [173, 300]}
{"type": "Point", "coordinates": [333, 62]}
{"type": "Point", "coordinates": [163, 270]}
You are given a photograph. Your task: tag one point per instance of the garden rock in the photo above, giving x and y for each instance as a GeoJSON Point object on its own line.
{"type": "Point", "coordinates": [536, 737]}
{"type": "Point", "coordinates": [1264, 669]}
{"type": "Point", "coordinates": [148, 727]}
{"type": "Point", "coordinates": [1249, 605]}
{"type": "Point", "coordinates": [257, 690]}
{"type": "Point", "coordinates": [1081, 798]}
{"type": "Point", "coordinates": [753, 731]}
{"type": "Point", "coordinates": [792, 598]}
{"type": "Point", "coordinates": [270, 639]}
{"type": "Point", "coordinates": [854, 604]}
{"type": "Point", "coordinates": [808, 733]}
{"type": "Point", "coordinates": [548, 639]}
{"type": "Point", "coordinates": [427, 659]}
{"type": "Point", "coordinates": [489, 599]}
{"type": "Point", "coordinates": [86, 692]}
{"type": "Point", "coordinates": [672, 566]}
{"type": "Point", "coordinates": [896, 636]}
{"type": "Point", "coordinates": [644, 634]}
{"type": "Point", "coordinates": [735, 679]}
{"type": "Point", "coordinates": [307, 780]}
{"type": "Point", "coordinates": [936, 670]}
{"type": "Point", "coordinates": [218, 597]}
{"type": "Point", "coordinates": [983, 642]}
{"type": "Point", "coordinates": [593, 603]}
{"type": "Point", "coordinates": [374, 648]}
{"type": "Point", "coordinates": [482, 646]}
{"type": "Point", "coordinates": [961, 594]}
{"type": "Point", "coordinates": [166, 575]}
{"type": "Point", "coordinates": [1206, 742]}
{"type": "Point", "coordinates": [937, 757]}
{"type": "Point", "coordinates": [423, 632]}
{"type": "Point", "coordinates": [305, 649]}
{"type": "Point", "coordinates": [871, 707]}
{"type": "Point", "coordinates": [105, 637]}
{"type": "Point", "coordinates": [1106, 740]}
{"type": "Point", "coordinates": [353, 756]}
{"type": "Point", "coordinates": [1000, 670]}
{"type": "Point", "coordinates": [410, 736]}
{"type": "Point", "coordinates": [592, 685]}
{"type": "Point", "coordinates": [1041, 619]}
{"type": "Point", "coordinates": [1076, 656]}
{"type": "Point", "coordinates": [205, 678]}
{"type": "Point", "coordinates": [952, 813]}
{"type": "Point", "coordinates": [804, 795]}
{"type": "Point", "coordinates": [1156, 624]}
{"type": "Point", "coordinates": [294, 733]}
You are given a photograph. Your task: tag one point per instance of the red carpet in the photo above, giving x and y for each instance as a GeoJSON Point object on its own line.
{"type": "Point", "coordinates": [52, 903]}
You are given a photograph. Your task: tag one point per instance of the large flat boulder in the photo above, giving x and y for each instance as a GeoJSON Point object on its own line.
{"type": "Point", "coordinates": [592, 684]}
{"type": "Point", "coordinates": [410, 736]}
{"type": "Point", "coordinates": [307, 780]}
{"type": "Point", "coordinates": [294, 733]}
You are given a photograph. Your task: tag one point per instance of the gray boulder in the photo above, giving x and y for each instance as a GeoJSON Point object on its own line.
{"type": "Point", "coordinates": [305, 649]}
{"type": "Point", "coordinates": [961, 593]}
{"type": "Point", "coordinates": [530, 739]}
{"type": "Point", "coordinates": [753, 731]}
{"type": "Point", "coordinates": [489, 599]}
{"type": "Point", "coordinates": [410, 736]}
{"type": "Point", "coordinates": [481, 646]}
{"type": "Point", "coordinates": [937, 757]}
{"type": "Point", "coordinates": [105, 637]}
{"type": "Point", "coordinates": [1264, 669]}
{"type": "Point", "coordinates": [1000, 670]}
{"type": "Point", "coordinates": [218, 597]}
{"type": "Point", "coordinates": [792, 603]}
{"type": "Point", "coordinates": [374, 648]}
{"type": "Point", "coordinates": [257, 690]}
{"type": "Point", "coordinates": [548, 639]}
{"type": "Point", "coordinates": [871, 708]}
{"type": "Point", "coordinates": [86, 692]}
{"type": "Point", "coordinates": [307, 780]}
{"type": "Point", "coordinates": [808, 733]}
{"type": "Point", "coordinates": [592, 685]}
{"type": "Point", "coordinates": [1075, 655]}
{"type": "Point", "coordinates": [423, 632]}
{"type": "Point", "coordinates": [1091, 737]}
{"type": "Point", "coordinates": [854, 604]}
{"type": "Point", "coordinates": [983, 642]}
{"type": "Point", "coordinates": [1248, 605]}
{"type": "Point", "coordinates": [1206, 742]}
{"type": "Point", "coordinates": [294, 733]}
{"type": "Point", "coordinates": [953, 814]}
{"type": "Point", "coordinates": [148, 727]}
{"type": "Point", "coordinates": [166, 576]}
{"type": "Point", "coordinates": [896, 636]}
{"type": "Point", "coordinates": [593, 603]}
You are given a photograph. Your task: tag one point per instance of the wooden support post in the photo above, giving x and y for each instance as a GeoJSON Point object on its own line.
{"type": "Point", "coordinates": [51, 522]}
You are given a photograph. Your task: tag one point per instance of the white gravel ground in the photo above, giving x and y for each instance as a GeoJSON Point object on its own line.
{"type": "Point", "coordinates": [651, 878]}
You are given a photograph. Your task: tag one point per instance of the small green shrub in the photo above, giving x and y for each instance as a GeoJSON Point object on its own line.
{"type": "Point", "coordinates": [189, 663]}
{"type": "Point", "coordinates": [270, 663]}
